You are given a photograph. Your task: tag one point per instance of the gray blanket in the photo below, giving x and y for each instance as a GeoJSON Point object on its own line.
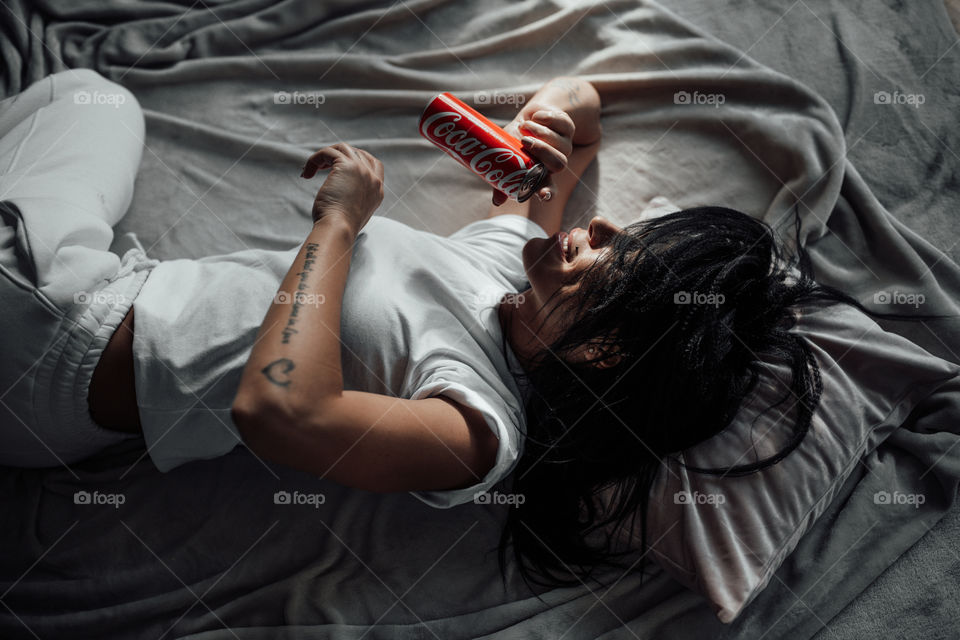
{"type": "Point", "coordinates": [206, 552]}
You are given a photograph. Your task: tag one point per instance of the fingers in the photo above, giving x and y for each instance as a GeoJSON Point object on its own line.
{"type": "Point", "coordinates": [559, 121]}
{"type": "Point", "coordinates": [375, 166]}
{"type": "Point", "coordinates": [372, 162]}
{"type": "Point", "coordinates": [550, 141]}
{"type": "Point", "coordinates": [513, 128]}
{"type": "Point", "coordinates": [322, 159]}
{"type": "Point", "coordinates": [552, 159]}
{"type": "Point", "coordinates": [562, 144]}
{"type": "Point", "coordinates": [326, 157]}
{"type": "Point", "coordinates": [550, 137]}
{"type": "Point", "coordinates": [545, 192]}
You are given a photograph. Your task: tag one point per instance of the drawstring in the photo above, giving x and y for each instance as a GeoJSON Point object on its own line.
{"type": "Point", "coordinates": [134, 260]}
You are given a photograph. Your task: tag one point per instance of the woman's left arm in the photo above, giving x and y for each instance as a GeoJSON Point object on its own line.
{"type": "Point", "coordinates": [562, 116]}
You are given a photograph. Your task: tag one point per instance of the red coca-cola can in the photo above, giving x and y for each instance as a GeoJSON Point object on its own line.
{"type": "Point", "coordinates": [481, 146]}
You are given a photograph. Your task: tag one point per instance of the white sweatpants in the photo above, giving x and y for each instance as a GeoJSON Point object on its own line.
{"type": "Point", "coordinates": [70, 147]}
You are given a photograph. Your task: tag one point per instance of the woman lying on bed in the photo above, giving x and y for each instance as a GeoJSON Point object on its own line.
{"type": "Point", "coordinates": [577, 359]}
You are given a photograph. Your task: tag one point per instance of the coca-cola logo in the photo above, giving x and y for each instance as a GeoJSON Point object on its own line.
{"type": "Point", "coordinates": [493, 164]}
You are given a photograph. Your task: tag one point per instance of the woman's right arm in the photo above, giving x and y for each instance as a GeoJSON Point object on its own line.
{"type": "Point", "coordinates": [577, 97]}
{"type": "Point", "coordinates": [291, 407]}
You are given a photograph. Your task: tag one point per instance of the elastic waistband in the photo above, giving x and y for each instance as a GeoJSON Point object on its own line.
{"type": "Point", "coordinates": [63, 376]}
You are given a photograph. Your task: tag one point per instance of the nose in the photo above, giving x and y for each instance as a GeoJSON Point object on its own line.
{"type": "Point", "coordinates": [600, 230]}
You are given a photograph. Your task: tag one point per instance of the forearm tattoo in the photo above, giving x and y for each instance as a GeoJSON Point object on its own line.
{"type": "Point", "coordinates": [309, 261]}
{"type": "Point", "coordinates": [573, 91]}
{"type": "Point", "coordinates": [278, 372]}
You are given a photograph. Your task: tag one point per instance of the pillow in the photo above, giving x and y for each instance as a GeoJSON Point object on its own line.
{"type": "Point", "coordinates": [725, 537]}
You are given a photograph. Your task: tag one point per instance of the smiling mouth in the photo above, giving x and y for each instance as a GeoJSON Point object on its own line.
{"type": "Point", "coordinates": [563, 244]}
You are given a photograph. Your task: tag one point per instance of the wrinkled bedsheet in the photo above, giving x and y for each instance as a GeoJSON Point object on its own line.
{"type": "Point", "coordinates": [761, 106]}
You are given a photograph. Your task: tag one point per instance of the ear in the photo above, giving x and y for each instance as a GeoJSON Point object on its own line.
{"type": "Point", "coordinates": [599, 361]}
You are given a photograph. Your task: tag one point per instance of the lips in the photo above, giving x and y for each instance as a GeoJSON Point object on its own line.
{"type": "Point", "coordinates": [560, 236]}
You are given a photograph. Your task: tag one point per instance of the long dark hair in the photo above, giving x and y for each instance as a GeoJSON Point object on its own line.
{"type": "Point", "coordinates": [693, 302]}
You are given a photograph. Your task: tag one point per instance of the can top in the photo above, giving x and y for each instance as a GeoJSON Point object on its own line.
{"type": "Point", "coordinates": [532, 182]}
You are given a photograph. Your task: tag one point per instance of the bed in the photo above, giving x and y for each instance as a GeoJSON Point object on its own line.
{"type": "Point", "coordinates": [208, 552]}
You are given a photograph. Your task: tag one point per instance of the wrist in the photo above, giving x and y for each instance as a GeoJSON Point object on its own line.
{"type": "Point", "coordinates": [578, 98]}
{"type": "Point", "coordinates": [336, 221]}
{"type": "Point", "coordinates": [585, 108]}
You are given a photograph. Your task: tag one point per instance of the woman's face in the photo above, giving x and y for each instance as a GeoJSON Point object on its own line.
{"type": "Point", "coordinates": [548, 262]}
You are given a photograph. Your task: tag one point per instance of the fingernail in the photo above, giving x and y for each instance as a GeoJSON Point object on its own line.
{"type": "Point", "coordinates": [526, 141]}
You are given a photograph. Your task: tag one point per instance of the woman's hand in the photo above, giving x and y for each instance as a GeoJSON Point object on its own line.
{"type": "Point", "coordinates": [353, 188]}
{"type": "Point", "coordinates": [547, 135]}
{"type": "Point", "coordinates": [563, 114]}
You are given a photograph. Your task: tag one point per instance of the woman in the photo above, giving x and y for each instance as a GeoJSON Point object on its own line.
{"type": "Point", "coordinates": [378, 356]}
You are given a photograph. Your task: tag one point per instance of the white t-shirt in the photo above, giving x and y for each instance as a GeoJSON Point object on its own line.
{"type": "Point", "coordinates": [419, 319]}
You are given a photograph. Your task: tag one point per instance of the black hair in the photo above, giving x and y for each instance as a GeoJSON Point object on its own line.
{"type": "Point", "coordinates": [684, 371]}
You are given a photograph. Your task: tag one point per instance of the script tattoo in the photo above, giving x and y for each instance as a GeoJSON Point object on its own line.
{"type": "Point", "coordinates": [278, 371]}
{"type": "Point", "coordinates": [300, 294]}
{"type": "Point", "coordinates": [573, 91]}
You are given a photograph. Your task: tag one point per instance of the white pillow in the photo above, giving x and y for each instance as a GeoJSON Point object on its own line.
{"type": "Point", "coordinates": [726, 536]}
{"type": "Point", "coordinates": [657, 207]}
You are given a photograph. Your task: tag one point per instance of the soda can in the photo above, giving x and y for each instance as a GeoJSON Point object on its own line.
{"type": "Point", "coordinates": [481, 146]}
